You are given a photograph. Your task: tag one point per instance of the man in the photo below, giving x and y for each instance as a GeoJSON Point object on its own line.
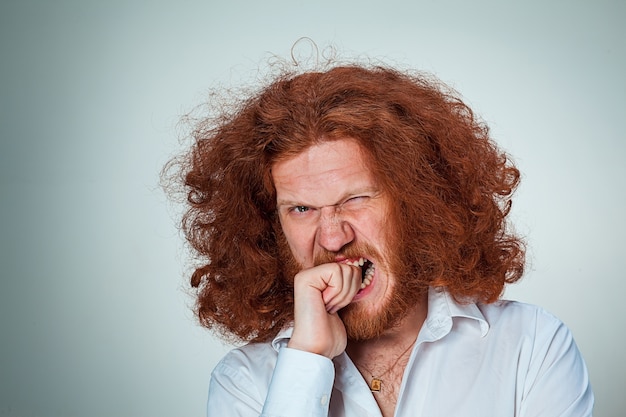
{"type": "Point", "coordinates": [352, 226]}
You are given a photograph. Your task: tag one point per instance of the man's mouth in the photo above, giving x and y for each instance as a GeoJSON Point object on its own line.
{"type": "Point", "coordinates": [367, 270]}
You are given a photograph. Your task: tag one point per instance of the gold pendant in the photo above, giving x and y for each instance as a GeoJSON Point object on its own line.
{"type": "Point", "coordinates": [376, 385]}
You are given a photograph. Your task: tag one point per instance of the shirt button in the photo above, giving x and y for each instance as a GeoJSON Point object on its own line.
{"type": "Point", "coordinates": [324, 399]}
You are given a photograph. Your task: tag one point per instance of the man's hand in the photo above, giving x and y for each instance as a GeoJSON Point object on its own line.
{"type": "Point", "coordinates": [320, 292]}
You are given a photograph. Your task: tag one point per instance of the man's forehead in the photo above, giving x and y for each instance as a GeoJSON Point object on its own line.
{"type": "Point", "coordinates": [330, 169]}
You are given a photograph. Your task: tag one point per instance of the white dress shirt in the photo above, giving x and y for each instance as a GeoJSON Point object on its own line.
{"type": "Point", "coordinates": [502, 359]}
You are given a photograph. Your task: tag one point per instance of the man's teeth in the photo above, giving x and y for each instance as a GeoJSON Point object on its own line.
{"type": "Point", "coordinates": [358, 262]}
{"type": "Point", "coordinates": [369, 272]}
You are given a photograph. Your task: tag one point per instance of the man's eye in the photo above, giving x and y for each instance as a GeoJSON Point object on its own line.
{"type": "Point", "coordinates": [355, 200]}
{"type": "Point", "coordinates": [300, 209]}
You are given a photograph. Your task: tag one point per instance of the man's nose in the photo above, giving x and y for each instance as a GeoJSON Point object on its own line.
{"type": "Point", "coordinates": [333, 232]}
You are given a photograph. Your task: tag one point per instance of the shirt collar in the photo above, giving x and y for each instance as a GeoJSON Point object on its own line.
{"type": "Point", "coordinates": [441, 309]}
{"type": "Point", "coordinates": [282, 338]}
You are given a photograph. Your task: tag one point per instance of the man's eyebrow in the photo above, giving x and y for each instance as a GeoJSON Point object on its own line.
{"type": "Point", "coordinates": [290, 203]}
{"type": "Point", "coordinates": [343, 198]}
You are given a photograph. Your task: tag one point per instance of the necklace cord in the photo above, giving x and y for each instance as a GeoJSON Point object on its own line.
{"type": "Point", "coordinates": [376, 382]}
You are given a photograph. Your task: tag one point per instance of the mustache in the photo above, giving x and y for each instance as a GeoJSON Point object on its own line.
{"type": "Point", "coordinates": [350, 251]}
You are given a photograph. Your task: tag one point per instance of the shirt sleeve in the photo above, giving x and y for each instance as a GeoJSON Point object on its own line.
{"type": "Point", "coordinates": [557, 383]}
{"type": "Point", "coordinates": [300, 385]}
{"type": "Point", "coordinates": [233, 393]}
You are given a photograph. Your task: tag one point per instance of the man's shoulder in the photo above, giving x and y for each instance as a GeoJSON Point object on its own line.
{"type": "Point", "coordinates": [250, 364]}
{"type": "Point", "coordinates": [522, 318]}
{"type": "Point", "coordinates": [250, 353]}
{"type": "Point", "coordinates": [511, 309]}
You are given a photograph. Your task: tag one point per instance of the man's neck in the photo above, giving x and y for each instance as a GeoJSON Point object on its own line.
{"type": "Point", "coordinates": [394, 339]}
{"type": "Point", "coordinates": [382, 361]}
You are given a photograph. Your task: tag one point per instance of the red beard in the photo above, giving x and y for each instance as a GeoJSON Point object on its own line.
{"type": "Point", "coordinates": [360, 323]}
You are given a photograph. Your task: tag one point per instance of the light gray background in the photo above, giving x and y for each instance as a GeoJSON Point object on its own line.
{"type": "Point", "coordinates": [94, 318]}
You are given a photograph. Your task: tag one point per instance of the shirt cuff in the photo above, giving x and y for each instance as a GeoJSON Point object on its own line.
{"type": "Point", "coordinates": [301, 385]}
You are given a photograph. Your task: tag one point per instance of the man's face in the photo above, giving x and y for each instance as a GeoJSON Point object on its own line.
{"type": "Point", "coordinates": [332, 209]}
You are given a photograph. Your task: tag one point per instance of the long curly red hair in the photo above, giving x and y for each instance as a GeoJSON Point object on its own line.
{"type": "Point", "coordinates": [450, 182]}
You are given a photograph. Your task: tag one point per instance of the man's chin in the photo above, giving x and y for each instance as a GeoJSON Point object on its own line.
{"type": "Point", "coordinates": [363, 325]}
